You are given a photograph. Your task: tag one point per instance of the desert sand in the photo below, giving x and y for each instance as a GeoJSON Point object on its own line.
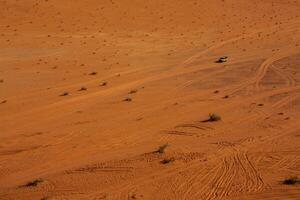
{"type": "Point", "coordinates": [110, 99]}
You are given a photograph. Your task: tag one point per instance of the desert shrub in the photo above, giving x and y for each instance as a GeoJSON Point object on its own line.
{"type": "Point", "coordinates": [34, 183]}
{"type": "Point", "coordinates": [212, 117]}
{"type": "Point", "coordinates": [82, 89]}
{"type": "Point", "coordinates": [127, 99]}
{"type": "Point", "coordinates": [64, 94]}
{"type": "Point", "coordinates": [167, 160]}
{"type": "Point", "coordinates": [132, 92]}
{"type": "Point", "coordinates": [93, 73]}
{"type": "Point", "coordinates": [291, 181]}
{"type": "Point", "coordinates": [103, 84]}
{"type": "Point", "coordinates": [162, 148]}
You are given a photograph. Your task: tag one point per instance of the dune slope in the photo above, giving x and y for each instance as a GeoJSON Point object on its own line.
{"type": "Point", "coordinates": [91, 91]}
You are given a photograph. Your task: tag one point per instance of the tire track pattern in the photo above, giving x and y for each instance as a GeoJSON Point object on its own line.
{"type": "Point", "coordinates": [234, 174]}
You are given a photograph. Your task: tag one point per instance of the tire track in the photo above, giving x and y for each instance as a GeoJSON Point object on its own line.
{"type": "Point", "coordinates": [260, 74]}
{"type": "Point", "coordinates": [288, 78]}
{"type": "Point", "coordinates": [237, 166]}
{"type": "Point", "coordinates": [234, 174]}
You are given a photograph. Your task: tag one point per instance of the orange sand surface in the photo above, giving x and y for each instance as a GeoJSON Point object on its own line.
{"type": "Point", "coordinates": [109, 99]}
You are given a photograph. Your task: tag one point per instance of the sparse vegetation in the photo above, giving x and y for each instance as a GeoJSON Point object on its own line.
{"type": "Point", "coordinates": [132, 92]}
{"type": "Point", "coordinates": [82, 89]}
{"type": "Point", "coordinates": [65, 94]}
{"type": "Point", "coordinates": [291, 181]}
{"type": "Point", "coordinates": [162, 148]}
{"type": "Point", "coordinates": [103, 84]}
{"type": "Point", "coordinates": [212, 117]}
{"type": "Point", "coordinates": [167, 160]}
{"type": "Point", "coordinates": [127, 99]}
{"type": "Point", "coordinates": [34, 183]}
{"type": "Point", "coordinates": [93, 73]}
{"type": "Point", "coordinates": [133, 196]}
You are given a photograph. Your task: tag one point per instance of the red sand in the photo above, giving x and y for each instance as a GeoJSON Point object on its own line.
{"type": "Point", "coordinates": [94, 135]}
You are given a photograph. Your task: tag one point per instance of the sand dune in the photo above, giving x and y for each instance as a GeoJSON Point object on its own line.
{"type": "Point", "coordinates": [90, 91]}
